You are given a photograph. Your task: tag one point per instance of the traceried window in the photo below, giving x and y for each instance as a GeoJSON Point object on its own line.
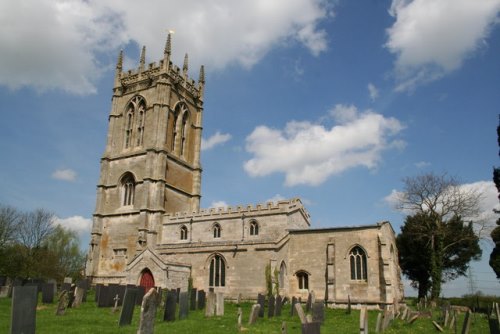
{"type": "Point", "coordinates": [357, 259]}
{"type": "Point", "coordinates": [184, 131]}
{"type": "Point", "coordinates": [254, 228]}
{"type": "Point", "coordinates": [128, 189]}
{"type": "Point", "coordinates": [135, 119]}
{"type": "Point", "coordinates": [179, 127]}
{"type": "Point", "coordinates": [129, 127]}
{"type": "Point", "coordinates": [302, 280]}
{"type": "Point", "coordinates": [217, 272]}
{"type": "Point", "coordinates": [216, 230]}
{"type": "Point", "coordinates": [184, 232]}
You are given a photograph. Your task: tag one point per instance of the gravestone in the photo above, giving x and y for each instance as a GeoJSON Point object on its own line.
{"type": "Point", "coordinates": [378, 326]}
{"type": "Point", "coordinates": [467, 321]}
{"type": "Point", "coordinates": [311, 328]}
{"type": "Point", "coordinates": [387, 318]}
{"type": "Point", "coordinates": [83, 285]}
{"type": "Point", "coordinates": [309, 302]}
{"type": "Point", "coordinates": [97, 292]}
{"type": "Point", "coordinates": [71, 295]}
{"type": "Point", "coordinates": [23, 309]}
{"type": "Point", "coordinates": [68, 280]}
{"type": "Point", "coordinates": [238, 299]}
{"type": "Point", "coordinates": [210, 308]}
{"type": "Point", "coordinates": [292, 309]}
{"type": "Point", "coordinates": [115, 306]}
{"type": "Point", "coordinates": [240, 314]}
{"type": "Point", "coordinates": [261, 299]}
{"type": "Point", "coordinates": [300, 313]}
{"type": "Point", "coordinates": [348, 304]}
{"type": "Point", "coordinates": [270, 307]}
{"type": "Point", "coordinates": [446, 318]}
{"type": "Point", "coordinates": [183, 305]}
{"type": "Point", "coordinates": [277, 311]}
{"type": "Point", "coordinates": [170, 306]}
{"type": "Point", "coordinates": [318, 312]}
{"type": "Point", "coordinates": [201, 299]}
{"type": "Point", "coordinates": [62, 303]}
{"type": "Point", "coordinates": [128, 306]}
{"type": "Point", "coordinates": [48, 293]}
{"type": "Point", "coordinates": [254, 314]}
{"type": "Point", "coordinates": [437, 326]}
{"type": "Point", "coordinates": [120, 291]}
{"type": "Point", "coordinates": [363, 321]}
{"type": "Point", "coordinates": [148, 312]}
{"type": "Point", "coordinates": [283, 328]}
{"type": "Point", "coordinates": [192, 301]}
{"type": "Point", "coordinates": [79, 293]}
{"type": "Point", "coordinates": [219, 304]}
{"type": "Point", "coordinates": [66, 286]}
{"type": "Point", "coordinates": [103, 300]}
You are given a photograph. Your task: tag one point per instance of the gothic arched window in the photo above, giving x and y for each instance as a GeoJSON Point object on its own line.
{"type": "Point", "coordinates": [216, 230]}
{"type": "Point", "coordinates": [254, 228]}
{"type": "Point", "coordinates": [128, 189]}
{"type": "Point", "coordinates": [178, 126]}
{"type": "Point", "coordinates": [135, 118]}
{"type": "Point", "coordinates": [184, 232]}
{"type": "Point", "coordinates": [129, 127]}
{"type": "Point", "coordinates": [184, 132]}
{"type": "Point", "coordinates": [357, 258]}
{"type": "Point", "coordinates": [217, 272]}
{"type": "Point", "coordinates": [302, 280]}
{"type": "Point", "coordinates": [282, 275]}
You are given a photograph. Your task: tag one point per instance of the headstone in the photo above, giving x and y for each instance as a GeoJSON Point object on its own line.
{"type": "Point", "coordinates": [84, 286]}
{"type": "Point", "coordinates": [183, 305]}
{"type": "Point", "coordinates": [23, 309]}
{"type": "Point", "coordinates": [446, 318]}
{"type": "Point", "coordinates": [348, 304]}
{"type": "Point", "coordinates": [284, 330]}
{"type": "Point", "coordinates": [254, 314]}
{"type": "Point", "coordinates": [128, 306]}
{"type": "Point", "coordinates": [311, 328]}
{"type": "Point", "coordinates": [238, 299]}
{"type": "Point", "coordinates": [270, 307]}
{"type": "Point", "coordinates": [178, 294]}
{"type": "Point", "coordinates": [467, 321]}
{"type": "Point", "coordinates": [413, 318]}
{"type": "Point", "coordinates": [363, 321]}
{"type": "Point", "coordinates": [97, 292]}
{"type": "Point", "coordinates": [48, 293]}
{"type": "Point", "coordinates": [387, 318]}
{"type": "Point", "coordinates": [192, 300]}
{"type": "Point", "coordinates": [318, 312]}
{"type": "Point", "coordinates": [277, 310]}
{"type": "Point", "coordinates": [239, 319]}
{"type": "Point", "coordinates": [493, 323]}
{"type": "Point", "coordinates": [79, 293]}
{"type": "Point", "coordinates": [210, 308]}
{"type": "Point", "coordinates": [261, 300]}
{"type": "Point", "coordinates": [120, 291]}
{"type": "Point", "coordinates": [66, 286]}
{"type": "Point", "coordinates": [148, 312]}
{"type": "Point", "coordinates": [378, 326]}
{"type": "Point", "coordinates": [309, 302]}
{"type": "Point", "coordinates": [219, 304]}
{"type": "Point", "coordinates": [170, 306]}
{"type": "Point", "coordinates": [300, 313]}
{"type": "Point", "coordinates": [71, 296]}
{"type": "Point", "coordinates": [436, 325]}
{"type": "Point", "coordinates": [68, 280]}
{"type": "Point", "coordinates": [115, 306]}
{"type": "Point", "coordinates": [5, 291]}
{"type": "Point", "coordinates": [201, 299]}
{"type": "Point", "coordinates": [453, 322]}
{"type": "Point", "coordinates": [103, 300]}
{"type": "Point", "coordinates": [292, 309]}
{"type": "Point", "coordinates": [62, 303]}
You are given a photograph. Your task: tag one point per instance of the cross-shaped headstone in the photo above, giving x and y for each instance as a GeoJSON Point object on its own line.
{"type": "Point", "coordinates": [115, 307]}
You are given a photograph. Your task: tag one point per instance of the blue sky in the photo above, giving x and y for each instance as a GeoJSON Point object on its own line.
{"type": "Point", "coordinates": [334, 102]}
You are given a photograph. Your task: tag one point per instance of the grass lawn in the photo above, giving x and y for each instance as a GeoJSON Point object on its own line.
{"type": "Point", "coordinates": [90, 319]}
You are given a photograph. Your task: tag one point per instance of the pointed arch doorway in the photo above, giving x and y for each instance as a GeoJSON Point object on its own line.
{"type": "Point", "coordinates": [147, 280]}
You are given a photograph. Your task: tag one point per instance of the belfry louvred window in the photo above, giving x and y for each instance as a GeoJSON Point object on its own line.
{"type": "Point", "coordinates": [128, 189]}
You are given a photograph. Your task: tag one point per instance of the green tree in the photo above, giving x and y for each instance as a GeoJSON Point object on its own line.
{"type": "Point", "coordinates": [441, 198]}
{"type": "Point", "coordinates": [495, 234]}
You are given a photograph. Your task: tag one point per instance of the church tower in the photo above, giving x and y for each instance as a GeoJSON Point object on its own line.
{"type": "Point", "coordinates": [151, 164]}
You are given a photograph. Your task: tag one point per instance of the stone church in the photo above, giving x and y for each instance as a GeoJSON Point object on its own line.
{"type": "Point", "coordinates": [148, 227]}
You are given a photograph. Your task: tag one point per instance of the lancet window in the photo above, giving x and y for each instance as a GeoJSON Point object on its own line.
{"type": "Point", "coordinates": [128, 189]}
{"type": "Point", "coordinates": [357, 257]}
{"type": "Point", "coordinates": [217, 272]}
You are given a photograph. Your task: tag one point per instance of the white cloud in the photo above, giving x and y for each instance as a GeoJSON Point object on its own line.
{"type": "Point", "coordinates": [433, 37]}
{"type": "Point", "coordinates": [219, 204]}
{"type": "Point", "coordinates": [58, 44]}
{"type": "Point", "coordinates": [64, 174]}
{"type": "Point", "coordinates": [276, 198]}
{"type": "Point", "coordinates": [217, 139]}
{"type": "Point", "coordinates": [79, 224]}
{"type": "Point", "coordinates": [422, 164]}
{"type": "Point", "coordinates": [373, 91]}
{"type": "Point", "coordinates": [310, 153]}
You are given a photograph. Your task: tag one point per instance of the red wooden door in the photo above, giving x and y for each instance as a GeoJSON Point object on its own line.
{"type": "Point", "coordinates": [147, 280]}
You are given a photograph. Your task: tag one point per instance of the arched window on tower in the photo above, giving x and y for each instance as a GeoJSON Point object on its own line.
{"type": "Point", "coordinates": [302, 280]}
{"type": "Point", "coordinates": [357, 258]}
{"type": "Point", "coordinates": [135, 118]}
{"type": "Point", "coordinates": [216, 229]}
{"type": "Point", "coordinates": [127, 189]}
{"type": "Point", "coordinates": [184, 232]}
{"type": "Point", "coordinates": [140, 125]}
{"type": "Point", "coordinates": [217, 274]}
{"type": "Point", "coordinates": [178, 125]}
{"type": "Point", "coordinates": [184, 132]}
{"type": "Point", "coordinates": [254, 228]}
{"type": "Point", "coordinates": [129, 126]}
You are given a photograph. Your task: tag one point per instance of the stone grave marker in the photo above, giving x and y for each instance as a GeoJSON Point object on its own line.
{"type": "Point", "coordinates": [201, 299]}
{"type": "Point", "coordinates": [97, 292]}
{"type": "Point", "coordinates": [148, 312]}
{"type": "Point", "coordinates": [79, 293]}
{"type": "Point", "coordinates": [413, 318]}
{"type": "Point", "coordinates": [261, 300]}
{"type": "Point", "coordinates": [48, 293]}
{"type": "Point", "coordinates": [210, 307]}
{"type": "Point", "coordinates": [84, 286]}
{"type": "Point", "coordinates": [178, 294]}
{"type": "Point", "coordinates": [309, 302]}
{"type": "Point", "coordinates": [192, 299]}
{"type": "Point", "coordinates": [284, 329]}
{"type": "Point", "coordinates": [270, 307]}
{"type": "Point", "coordinates": [170, 306]}
{"type": "Point", "coordinates": [387, 318]}
{"type": "Point", "coordinates": [284, 300]}
{"type": "Point", "coordinates": [437, 326]}
{"type": "Point", "coordinates": [363, 320]}
{"type": "Point", "coordinates": [446, 318]}
{"type": "Point", "coordinates": [239, 318]}
{"type": "Point", "coordinates": [254, 314]}
{"type": "Point", "coordinates": [66, 286]}
{"type": "Point", "coordinates": [311, 328]}
{"type": "Point", "coordinates": [23, 310]}
{"type": "Point", "coordinates": [115, 306]}
{"type": "Point", "coordinates": [128, 306]}
{"type": "Point", "coordinates": [292, 309]}
{"type": "Point", "coordinates": [453, 322]}
{"type": "Point", "coordinates": [378, 326]}
{"type": "Point", "coordinates": [120, 291]}
{"type": "Point", "coordinates": [183, 305]}
{"type": "Point", "coordinates": [68, 280]}
{"type": "Point", "coordinates": [277, 310]}
{"type": "Point", "coordinates": [300, 313]}
{"type": "Point", "coordinates": [238, 299]}
{"type": "Point", "coordinates": [104, 296]}
{"type": "Point", "coordinates": [62, 304]}
{"type": "Point", "coordinates": [219, 304]}
{"type": "Point", "coordinates": [467, 321]}
{"type": "Point", "coordinates": [348, 304]}
{"type": "Point", "coordinates": [318, 312]}
{"type": "Point", "coordinates": [71, 296]}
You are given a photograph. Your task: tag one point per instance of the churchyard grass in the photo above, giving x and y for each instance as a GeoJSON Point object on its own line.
{"type": "Point", "coordinates": [90, 319]}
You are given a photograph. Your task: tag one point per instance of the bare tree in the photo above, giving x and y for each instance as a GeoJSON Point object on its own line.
{"type": "Point", "coordinates": [9, 221]}
{"type": "Point", "coordinates": [35, 227]}
{"type": "Point", "coordinates": [442, 198]}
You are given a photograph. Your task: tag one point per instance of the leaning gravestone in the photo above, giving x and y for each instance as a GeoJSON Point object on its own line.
{"type": "Point", "coordinates": [261, 300]}
{"type": "Point", "coordinates": [48, 293]}
{"type": "Point", "coordinates": [183, 305]}
{"type": "Point", "coordinates": [363, 320]}
{"type": "Point", "coordinates": [318, 312]}
{"type": "Point", "coordinates": [219, 304]}
{"type": "Point", "coordinates": [292, 309]}
{"type": "Point", "coordinates": [309, 302]}
{"type": "Point", "coordinates": [62, 304]}
{"type": "Point", "coordinates": [23, 310]}
{"type": "Point", "coordinates": [254, 314]}
{"type": "Point", "coordinates": [170, 305]}
{"type": "Point", "coordinates": [201, 299]}
{"type": "Point", "coordinates": [148, 312]}
{"type": "Point", "coordinates": [277, 310]}
{"type": "Point", "coordinates": [300, 313]}
{"type": "Point", "coordinates": [128, 306]}
{"type": "Point", "coordinates": [271, 307]}
{"type": "Point", "coordinates": [467, 321]}
{"type": "Point", "coordinates": [79, 293]}
{"type": "Point", "coordinates": [192, 299]}
{"type": "Point", "coordinates": [311, 328]}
